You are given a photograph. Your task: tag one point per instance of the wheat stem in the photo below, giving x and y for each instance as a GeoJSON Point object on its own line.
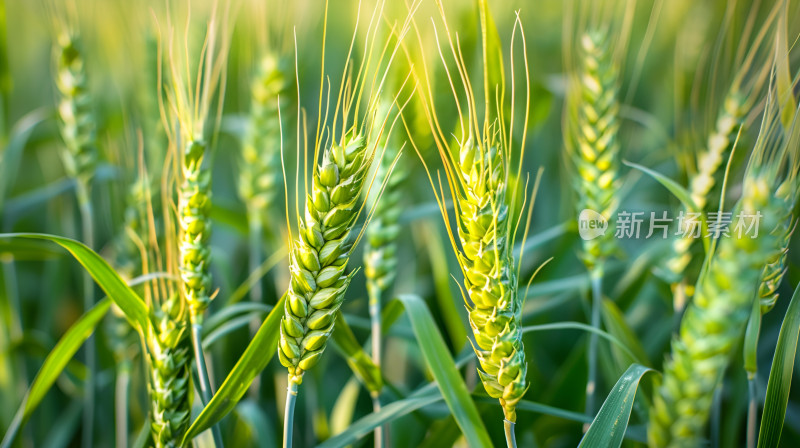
{"type": "Point", "coordinates": [206, 392]}
{"type": "Point", "coordinates": [752, 413]}
{"type": "Point", "coordinates": [121, 404]}
{"type": "Point", "coordinates": [511, 439]}
{"type": "Point", "coordinates": [288, 418]}
{"type": "Point", "coordinates": [255, 229]}
{"type": "Point", "coordinates": [87, 234]}
{"type": "Point", "coordinates": [375, 329]}
{"type": "Point", "coordinates": [378, 433]}
{"type": "Point", "coordinates": [597, 298]}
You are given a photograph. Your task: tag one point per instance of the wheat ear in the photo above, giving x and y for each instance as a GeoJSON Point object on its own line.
{"type": "Point", "coordinates": [593, 108]}
{"type": "Point", "coordinates": [477, 170]}
{"type": "Point", "coordinates": [320, 253]}
{"type": "Point", "coordinates": [169, 355]}
{"type": "Point", "coordinates": [725, 293]}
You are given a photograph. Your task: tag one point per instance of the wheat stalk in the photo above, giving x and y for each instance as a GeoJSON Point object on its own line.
{"type": "Point", "coordinates": [129, 249]}
{"type": "Point", "coordinates": [725, 292]}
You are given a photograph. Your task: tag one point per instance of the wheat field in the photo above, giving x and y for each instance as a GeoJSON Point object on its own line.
{"type": "Point", "coordinates": [417, 223]}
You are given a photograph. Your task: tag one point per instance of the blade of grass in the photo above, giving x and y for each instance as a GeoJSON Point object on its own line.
{"type": "Point", "coordinates": [608, 427]}
{"type": "Point", "coordinates": [780, 376]}
{"type": "Point", "coordinates": [362, 366]}
{"type": "Point", "coordinates": [55, 363]}
{"type": "Point", "coordinates": [389, 412]}
{"type": "Point", "coordinates": [109, 281]}
{"type": "Point", "coordinates": [445, 299]}
{"type": "Point", "coordinates": [12, 153]}
{"type": "Point", "coordinates": [255, 358]}
{"type": "Point", "coordinates": [675, 188]}
{"type": "Point", "coordinates": [444, 371]}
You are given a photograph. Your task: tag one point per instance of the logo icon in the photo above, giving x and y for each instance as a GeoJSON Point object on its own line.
{"type": "Point", "coordinates": [591, 224]}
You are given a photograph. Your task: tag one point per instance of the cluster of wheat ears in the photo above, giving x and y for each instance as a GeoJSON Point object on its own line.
{"type": "Point", "coordinates": [408, 101]}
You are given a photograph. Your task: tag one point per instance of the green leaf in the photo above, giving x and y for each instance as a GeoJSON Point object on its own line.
{"type": "Point", "coordinates": [614, 321]}
{"type": "Point", "coordinates": [444, 372]}
{"type": "Point", "coordinates": [12, 153]}
{"type": "Point", "coordinates": [254, 359]}
{"type": "Point", "coordinates": [580, 326]}
{"type": "Point", "coordinates": [109, 281]}
{"type": "Point", "coordinates": [345, 406]}
{"type": "Point", "coordinates": [608, 427]}
{"type": "Point", "coordinates": [362, 366]}
{"type": "Point", "coordinates": [780, 376]}
{"type": "Point", "coordinates": [675, 188]}
{"type": "Point", "coordinates": [389, 412]}
{"type": "Point", "coordinates": [257, 430]}
{"type": "Point", "coordinates": [55, 363]}
{"type": "Point", "coordinates": [445, 299]}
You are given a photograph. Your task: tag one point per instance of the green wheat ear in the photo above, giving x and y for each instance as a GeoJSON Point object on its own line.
{"type": "Point", "coordinates": [775, 269]}
{"type": "Point", "coordinates": [168, 346]}
{"type": "Point", "coordinates": [593, 107]}
{"type": "Point", "coordinates": [194, 207]}
{"type": "Point", "coordinates": [260, 161]}
{"type": "Point", "coordinates": [76, 120]}
{"type": "Point", "coordinates": [718, 314]}
{"type": "Point", "coordinates": [489, 274]}
{"type": "Point", "coordinates": [320, 253]}
{"type": "Point", "coordinates": [380, 253]}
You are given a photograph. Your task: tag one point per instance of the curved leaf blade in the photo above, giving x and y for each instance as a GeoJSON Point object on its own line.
{"type": "Point", "coordinates": [254, 359]}
{"type": "Point", "coordinates": [103, 274]}
{"type": "Point", "coordinates": [444, 371]}
{"type": "Point", "coordinates": [12, 153]}
{"type": "Point", "coordinates": [780, 376]}
{"type": "Point", "coordinates": [608, 427]}
{"type": "Point", "coordinates": [675, 188]}
{"type": "Point", "coordinates": [362, 366]}
{"type": "Point", "coordinates": [391, 411]}
{"type": "Point", "coordinates": [55, 363]}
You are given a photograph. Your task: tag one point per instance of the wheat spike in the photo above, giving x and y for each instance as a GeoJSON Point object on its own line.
{"type": "Point", "coordinates": [380, 253]}
{"type": "Point", "coordinates": [169, 359]}
{"type": "Point", "coordinates": [320, 253]}
{"type": "Point", "coordinates": [594, 113]}
{"type": "Point", "coordinates": [194, 206]}
{"type": "Point", "coordinates": [489, 275]}
{"type": "Point", "coordinates": [76, 120]}
{"type": "Point", "coordinates": [260, 161]}
{"type": "Point", "coordinates": [724, 296]}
